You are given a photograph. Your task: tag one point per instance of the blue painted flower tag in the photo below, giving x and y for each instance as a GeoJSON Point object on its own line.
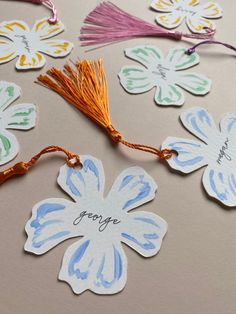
{"type": "Point", "coordinates": [216, 150]}
{"type": "Point", "coordinates": [97, 261]}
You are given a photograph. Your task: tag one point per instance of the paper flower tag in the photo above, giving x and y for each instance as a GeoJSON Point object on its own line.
{"type": "Point", "coordinates": [20, 117]}
{"type": "Point", "coordinates": [28, 44]}
{"type": "Point", "coordinates": [216, 150]}
{"type": "Point", "coordinates": [174, 12]}
{"type": "Point", "coordinates": [166, 74]}
{"type": "Point", "coordinates": [97, 261]}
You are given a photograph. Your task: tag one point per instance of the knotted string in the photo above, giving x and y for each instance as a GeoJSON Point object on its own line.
{"type": "Point", "coordinates": [107, 23]}
{"type": "Point", "coordinates": [22, 168]}
{"type": "Point", "coordinates": [85, 87]}
{"type": "Point", "coordinates": [49, 4]}
{"type": "Point", "coordinates": [209, 42]}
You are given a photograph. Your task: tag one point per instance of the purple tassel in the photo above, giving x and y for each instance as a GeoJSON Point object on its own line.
{"type": "Point", "coordinates": [107, 23]}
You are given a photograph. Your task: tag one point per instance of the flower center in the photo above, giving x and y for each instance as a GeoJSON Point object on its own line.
{"type": "Point", "coordinates": [102, 222]}
{"type": "Point", "coordinates": [185, 10]}
{"type": "Point", "coordinates": [27, 43]}
{"type": "Point", "coordinates": [161, 71]}
{"type": "Point", "coordinates": [224, 153]}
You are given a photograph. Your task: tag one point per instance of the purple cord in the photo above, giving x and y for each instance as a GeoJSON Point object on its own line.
{"type": "Point", "coordinates": [209, 42]}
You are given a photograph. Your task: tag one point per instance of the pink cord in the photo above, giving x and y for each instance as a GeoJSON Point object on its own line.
{"type": "Point", "coordinates": [49, 4]}
{"type": "Point", "coordinates": [107, 23]}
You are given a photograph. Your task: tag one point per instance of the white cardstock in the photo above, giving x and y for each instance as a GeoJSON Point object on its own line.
{"type": "Point", "coordinates": [28, 44]}
{"type": "Point", "coordinates": [19, 117]}
{"type": "Point", "coordinates": [197, 17]}
{"type": "Point", "coordinates": [166, 74]}
{"type": "Point", "coordinates": [97, 261]}
{"type": "Point", "coordinates": [216, 150]}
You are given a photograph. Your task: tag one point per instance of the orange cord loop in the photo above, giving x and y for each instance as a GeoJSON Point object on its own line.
{"type": "Point", "coordinates": [22, 168]}
{"type": "Point", "coordinates": [166, 154]}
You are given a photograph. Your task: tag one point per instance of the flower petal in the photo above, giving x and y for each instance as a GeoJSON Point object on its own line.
{"type": "Point", "coordinates": [21, 116]}
{"type": "Point", "coordinates": [50, 224]}
{"type": "Point", "coordinates": [198, 24]}
{"type": "Point", "coordinates": [147, 55]}
{"type": "Point", "coordinates": [191, 3]}
{"type": "Point", "coordinates": [135, 79]}
{"type": "Point", "coordinates": [200, 123]}
{"type": "Point", "coordinates": [162, 5]}
{"type": "Point", "coordinates": [220, 183]}
{"type": "Point", "coordinates": [169, 20]}
{"type": "Point", "coordinates": [86, 182]}
{"type": "Point", "coordinates": [7, 51]}
{"type": "Point", "coordinates": [212, 10]}
{"type": "Point", "coordinates": [46, 30]}
{"type": "Point", "coordinates": [132, 188]}
{"type": "Point", "coordinates": [102, 270]}
{"type": "Point", "coordinates": [10, 28]}
{"type": "Point", "coordinates": [228, 125]}
{"type": "Point", "coordinates": [190, 154]}
{"type": "Point", "coordinates": [9, 92]}
{"type": "Point", "coordinates": [9, 146]}
{"type": "Point", "coordinates": [30, 61]}
{"type": "Point", "coordinates": [144, 233]}
{"type": "Point", "coordinates": [56, 47]}
{"type": "Point", "coordinates": [194, 83]}
{"type": "Point", "coordinates": [169, 95]}
{"type": "Point", "coordinates": [180, 60]}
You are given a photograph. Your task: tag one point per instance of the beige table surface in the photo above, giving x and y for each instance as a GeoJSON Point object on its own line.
{"type": "Point", "coordinates": [194, 273]}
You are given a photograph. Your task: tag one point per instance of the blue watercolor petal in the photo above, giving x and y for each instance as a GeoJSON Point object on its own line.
{"type": "Point", "coordinates": [199, 122]}
{"type": "Point", "coordinates": [190, 154]}
{"type": "Point", "coordinates": [132, 188]}
{"type": "Point", "coordinates": [117, 262]}
{"type": "Point", "coordinates": [220, 183]}
{"type": "Point", "coordinates": [145, 232]}
{"type": "Point", "coordinates": [77, 181]}
{"type": "Point", "coordinates": [91, 265]}
{"type": "Point", "coordinates": [48, 226]}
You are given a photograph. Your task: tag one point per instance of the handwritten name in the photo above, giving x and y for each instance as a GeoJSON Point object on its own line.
{"type": "Point", "coordinates": [24, 41]}
{"type": "Point", "coordinates": [161, 71]}
{"type": "Point", "coordinates": [223, 153]}
{"type": "Point", "coordinates": [183, 10]}
{"type": "Point", "coordinates": [102, 222]}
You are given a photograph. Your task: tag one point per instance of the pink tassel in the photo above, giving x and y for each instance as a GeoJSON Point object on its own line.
{"type": "Point", "coordinates": [49, 4]}
{"type": "Point", "coordinates": [107, 23]}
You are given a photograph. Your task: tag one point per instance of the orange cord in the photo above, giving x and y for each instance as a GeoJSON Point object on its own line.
{"type": "Point", "coordinates": [22, 168]}
{"type": "Point", "coordinates": [86, 89]}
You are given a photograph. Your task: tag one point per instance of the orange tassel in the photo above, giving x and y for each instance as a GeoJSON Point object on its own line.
{"type": "Point", "coordinates": [86, 88]}
{"type": "Point", "coordinates": [22, 168]}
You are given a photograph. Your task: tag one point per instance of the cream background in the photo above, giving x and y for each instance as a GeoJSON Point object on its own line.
{"type": "Point", "coordinates": [194, 273]}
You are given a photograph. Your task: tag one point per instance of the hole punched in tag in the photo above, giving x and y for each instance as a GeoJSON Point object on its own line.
{"type": "Point", "coordinates": [22, 167]}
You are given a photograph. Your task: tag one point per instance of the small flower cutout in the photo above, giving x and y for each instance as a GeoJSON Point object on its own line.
{"type": "Point", "coordinates": [166, 74]}
{"type": "Point", "coordinates": [216, 150]}
{"type": "Point", "coordinates": [19, 117]}
{"type": "Point", "coordinates": [97, 261]}
{"type": "Point", "coordinates": [28, 44]}
{"type": "Point", "coordinates": [174, 12]}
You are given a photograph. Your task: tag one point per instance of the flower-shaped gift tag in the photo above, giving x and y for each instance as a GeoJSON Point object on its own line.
{"type": "Point", "coordinates": [216, 150]}
{"type": "Point", "coordinates": [166, 74]}
{"type": "Point", "coordinates": [174, 12]}
{"type": "Point", "coordinates": [19, 117]}
{"type": "Point", "coordinates": [97, 261]}
{"type": "Point", "coordinates": [28, 44]}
